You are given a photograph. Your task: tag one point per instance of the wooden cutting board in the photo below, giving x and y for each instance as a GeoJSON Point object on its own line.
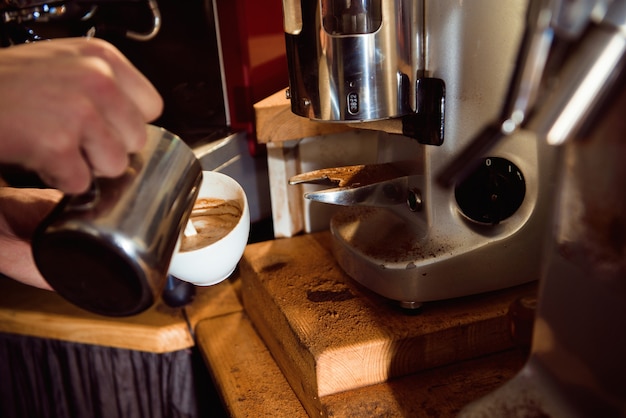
{"type": "Point", "coordinates": [329, 335]}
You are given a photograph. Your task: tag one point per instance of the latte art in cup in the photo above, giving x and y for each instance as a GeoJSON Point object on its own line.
{"type": "Point", "coordinates": [213, 219]}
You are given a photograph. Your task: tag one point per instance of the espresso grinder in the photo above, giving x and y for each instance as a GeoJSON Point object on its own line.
{"type": "Point", "coordinates": [522, 179]}
{"type": "Point", "coordinates": [429, 75]}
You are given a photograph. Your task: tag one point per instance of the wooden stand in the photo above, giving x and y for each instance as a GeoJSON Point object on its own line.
{"type": "Point", "coordinates": [282, 131]}
{"type": "Point", "coordinates": [330, 336]}
{"type": "Point", "coordinates": [252, 384]}
{"type": "Point", "coordinates": [275, 122]}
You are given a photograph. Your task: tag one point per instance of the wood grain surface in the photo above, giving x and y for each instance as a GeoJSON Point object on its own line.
{"type": "Point", "coordinates": [329, 335]}
{"type": "Point", "coordinates": [34, 312]}
{"type": "Point", "coordinates": [275, 122]}
{"type": "Point", "coordinates": [252, 385]}
{"type": "Point", "coordinates": [248, 379]}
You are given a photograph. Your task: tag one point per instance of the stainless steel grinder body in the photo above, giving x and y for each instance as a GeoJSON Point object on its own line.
{"type": "Point", "coordinates": [108, 251]}
{"type": "Point", "coordinates": [576, 365]}
{"type": "Point", "coordinates": [459, 242]}
{"type": "Point", "coordinates": [352, 61]}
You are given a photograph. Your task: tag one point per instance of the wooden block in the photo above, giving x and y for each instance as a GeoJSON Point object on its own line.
{"type": "Point", "coordinates": [275, 122]}
{"type": "Point", "coordinates": [329, 335]}
{"type": "Point", "coordinates": [250, 382]}
{"type": "Point", "coordinates": [252, 385]}
{"type": "Point", "coordinates": [287, 216]}
{"type": "Point", "coordinates": [34, 312]}
{"type": "Point", "coordinates": [216, 300]}
{"type": "Point", "coordinates": [441, 392]}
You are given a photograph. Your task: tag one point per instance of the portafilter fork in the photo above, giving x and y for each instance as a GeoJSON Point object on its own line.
{"type": "Point", "coordinates": [376, 185]}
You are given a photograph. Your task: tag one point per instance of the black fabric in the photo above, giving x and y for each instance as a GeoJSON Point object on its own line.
{"type": "Point", "coordinates": [43, 378]}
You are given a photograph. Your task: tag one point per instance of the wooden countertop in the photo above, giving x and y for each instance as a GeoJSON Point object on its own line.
{"type": "Point", "coordinates": [251, 381]}
{"type": "Point", "coordinates": [34, 312]}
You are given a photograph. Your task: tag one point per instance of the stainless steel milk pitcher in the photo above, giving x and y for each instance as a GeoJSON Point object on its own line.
{"type": "Point", "coordinates": [108, 250]}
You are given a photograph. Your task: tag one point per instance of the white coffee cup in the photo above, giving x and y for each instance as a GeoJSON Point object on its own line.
{"type": "Point", "coordinates": [215, 262]}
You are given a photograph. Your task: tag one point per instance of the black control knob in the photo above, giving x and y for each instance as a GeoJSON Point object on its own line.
{"type": "Point", "coordinates": [493, 192]}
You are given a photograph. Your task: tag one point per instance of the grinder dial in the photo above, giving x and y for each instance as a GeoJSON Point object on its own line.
{"type": "Point", "coordinates": [492, 192]}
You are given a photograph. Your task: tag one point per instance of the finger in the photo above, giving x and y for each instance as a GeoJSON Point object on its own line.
{"type": "Point", "coordinates": [125, 97]}
{"type": "Point", "coordinates": [103, 146]}
{"type": "Point", "coordinates": [105, 151]}
{"type": "Point", "coordinates": [116, 116]}
{"type": "Point", "coordinates": [73, 177]}
{"type": "Point", "coordinates": [58, 158]}
{"type": "Point", "coordinates": [101, 129]}
{"type": "Point", "coordinates": [137, 87]}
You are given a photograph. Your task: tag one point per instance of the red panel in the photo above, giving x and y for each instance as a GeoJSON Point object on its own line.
{"type": "Point", "coordinates": [253, 49]}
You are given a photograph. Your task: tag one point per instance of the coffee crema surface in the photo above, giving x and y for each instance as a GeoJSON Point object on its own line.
{"type": "Point", "coordinates": [213, 219]}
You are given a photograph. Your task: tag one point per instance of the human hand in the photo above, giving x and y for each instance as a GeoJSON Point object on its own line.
{"type": "Point", "coordinates": [21, 210]}
{"type": "Point", "coordinates": [71, 109]}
